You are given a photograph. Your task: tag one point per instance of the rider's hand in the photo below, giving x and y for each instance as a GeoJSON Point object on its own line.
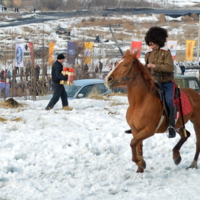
{"type": "Point", "coordinates": [150, 65]}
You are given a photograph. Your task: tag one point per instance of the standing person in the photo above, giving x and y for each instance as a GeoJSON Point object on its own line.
{"type": "Point", "coordinates": [9, 74]}
{"type": "Point", "coordinates": [100, 66]}
{"type": "Point", "coordinates": [44, 70]}
{"type": "Point", "coordinates": [97, 39]}
{"type": "Point", "coordinates": [2, 74]}
{"type": "Point", "coordinates": [85, 68]}
{"type": "Point", "coordinates": [37, 72]}
{"type": "Point", "coordinates": [182, 68]}
{"type": "Point", "coordinates": [85, 71]}
{"type": "Point", "coordinates": [59, 90]}
{"type": "Point", "coordinates": [160, 63]}
{"type": "Point", "coordinates": [96, 69]}
{"type": "Point", "coordinates": [16, 70]}
{"type": "Point", "coordinates": [21, 73]}
{"type": "Point", "coordinates": [28, 70]}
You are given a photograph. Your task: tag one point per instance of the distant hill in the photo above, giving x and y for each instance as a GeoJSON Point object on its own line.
{"type": "Point", "coordinates": [50, 5]}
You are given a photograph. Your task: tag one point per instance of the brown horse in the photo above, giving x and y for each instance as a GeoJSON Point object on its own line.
{"type": "Point", "coordinates": [146, 109]}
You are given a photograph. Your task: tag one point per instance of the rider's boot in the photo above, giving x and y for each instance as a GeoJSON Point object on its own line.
{"type": "Point", "coordinates": [171, 128]}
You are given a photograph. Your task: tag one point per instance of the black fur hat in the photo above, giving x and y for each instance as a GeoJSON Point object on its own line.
{"type": "Point", "coordinates": [157, 35]}
{"type": "Point", "coordinates": [60, 56]}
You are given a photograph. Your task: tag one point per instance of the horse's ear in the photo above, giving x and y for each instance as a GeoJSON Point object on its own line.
{"type": "Point", "coordinates": [128, 52]}
{"type": "Point", "coordinates": [135, 53]}
{"type": "Point", "coordinates": [132, 53]}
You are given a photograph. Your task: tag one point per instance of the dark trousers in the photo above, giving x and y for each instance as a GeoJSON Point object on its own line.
{"type": "Point", "coordinates": [168, 88]}
{"type": "Point", "coordinates": [169, 94]}
{"type": "Point", "coordinates": [59, 91]}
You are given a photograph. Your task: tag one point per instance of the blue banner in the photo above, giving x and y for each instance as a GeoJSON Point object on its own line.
{"type": "Point", "coordinates": [71, 52]}
{"type": "Point", "coordinates": [19, 55]}
{"type": "Point", "coordinates": [2, 85]}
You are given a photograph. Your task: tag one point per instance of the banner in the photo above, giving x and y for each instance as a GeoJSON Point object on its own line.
{"type": "Point", "coordinates": [172, 45]}
{"type": "Point", "coordinates": [136, 46]}
{"type": "Point", "coordinates": [31, 53]}
{"type": "Point", "coordinates": [3, 85]}
{"type": "Point", "coordinates": [189, 49]}
{"type": "Point", "coordinates": [19, 55]}
{"type": "Point", "coordinates": [71, 52]}
{"type": "Point", "coordinates": [88, 52]}
{"type": "Point", "coordinates": [51, 50]}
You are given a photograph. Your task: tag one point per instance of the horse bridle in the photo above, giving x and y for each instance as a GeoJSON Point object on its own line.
{"type": "Point", "coordinates": [134, 75]}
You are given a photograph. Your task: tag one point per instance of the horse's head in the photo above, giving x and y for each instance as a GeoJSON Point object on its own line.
{"type": "Point", "coordinates": [124, 70]}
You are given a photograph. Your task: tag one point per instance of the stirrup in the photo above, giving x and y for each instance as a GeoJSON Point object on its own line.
{"type": "Point", "coordinates": [172, 132]}
{"type": "Point", "coordinates": [128, 131]}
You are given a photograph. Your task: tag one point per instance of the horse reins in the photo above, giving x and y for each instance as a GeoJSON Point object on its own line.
{"type": "Point", "coordinates": [134, 75]}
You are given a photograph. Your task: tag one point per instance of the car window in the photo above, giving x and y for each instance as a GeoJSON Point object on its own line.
{"type": "Point", "coordinates": [120, 89]}
{"type": "Point", "coordinates": [86, 90]}
{"type": "Point", "coordinates": [71, 90]}
{"type": "Point", "coordinates": [101, 88]}
{"type": "Point", "coordinates": [179, 82]}
{"type": "Point", "coordinates": [193, 84]}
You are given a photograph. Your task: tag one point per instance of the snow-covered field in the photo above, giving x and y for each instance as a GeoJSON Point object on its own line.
{"type": "Point", "coordinates": [84, 154]}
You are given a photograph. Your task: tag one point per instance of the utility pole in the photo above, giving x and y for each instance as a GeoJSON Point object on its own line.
{"type": "Point", "coordinates": [198, 45]}
{"type": "Point", "coordinates": [43, 74]}
{"type": "Point", "coordinates": [198, 41]}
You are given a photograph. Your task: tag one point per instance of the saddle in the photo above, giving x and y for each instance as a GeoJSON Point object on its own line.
{"type": "Point", "coordinates": [180, 100]}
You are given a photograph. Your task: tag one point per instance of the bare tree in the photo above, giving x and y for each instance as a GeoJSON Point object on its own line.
{"type": "Point", "coordinates": [50, 4]}
{"type": "Point", "coordinates": [73, 5]}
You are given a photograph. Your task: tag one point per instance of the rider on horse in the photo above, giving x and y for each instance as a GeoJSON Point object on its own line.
{"type": "Point", "coordinates": [161, 65]}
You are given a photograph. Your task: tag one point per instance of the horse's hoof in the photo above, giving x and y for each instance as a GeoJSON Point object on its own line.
{"type": "Point", "coordinates": [193, 165]}
{"type": "Point", "coordinates": [143, 165]}
{"type": "Point", "coordinates": [177, 160]}
{"type": "Point", "coordinates": [140, 170]}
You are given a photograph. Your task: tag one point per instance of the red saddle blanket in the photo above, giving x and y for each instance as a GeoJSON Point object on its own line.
{"type": "Point", "coordinates": [186, 106]}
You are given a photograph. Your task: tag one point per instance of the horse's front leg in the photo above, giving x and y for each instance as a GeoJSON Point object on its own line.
{"type": "Point", "coordinates": [140, 155]}
{"type": "Point", "coordinates": [136, 146]}
{"type": "Point", "coordinates": [137, 158]}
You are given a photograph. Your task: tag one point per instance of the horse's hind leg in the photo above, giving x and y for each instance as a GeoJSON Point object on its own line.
{"type": "Point", "coordinates": [194, 162]}
{"type": "Point", "coordinates": [176, 149]}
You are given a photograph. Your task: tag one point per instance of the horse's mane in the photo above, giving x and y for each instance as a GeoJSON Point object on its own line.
{"type": "Point", "coordinates": [147, 76]}
{"type": "Point", "coordinates": [143, 70]}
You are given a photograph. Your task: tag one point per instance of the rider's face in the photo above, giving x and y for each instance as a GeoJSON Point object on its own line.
{"type": "Point", "coordinates": [61, 60]}
{"type": "Point", "coordinates": [153, 46]}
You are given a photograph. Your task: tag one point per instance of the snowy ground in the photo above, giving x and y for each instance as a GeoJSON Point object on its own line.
{"type": "Point", "coordinates": [83, 154]}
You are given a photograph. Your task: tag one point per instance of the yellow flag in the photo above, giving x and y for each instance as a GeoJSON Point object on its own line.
{"type": "Point", "coordinates": [17, 2]}
{"type": "Point", "coordinates": [51, 50]}
{"type": "Point", "coordinates": [88, 52]}
{"type": "Point", "coordinates": [189, 49]}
